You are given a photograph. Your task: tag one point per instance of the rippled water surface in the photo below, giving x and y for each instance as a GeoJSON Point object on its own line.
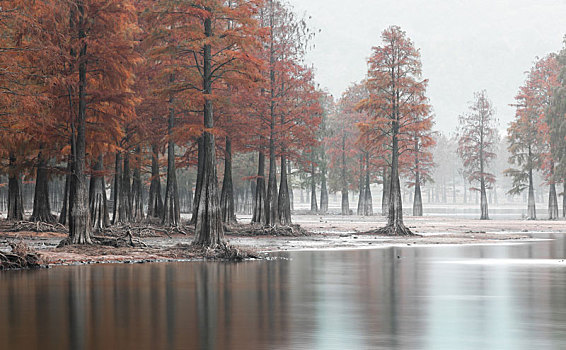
{"type": "Point", "coordinates": [441, 297]}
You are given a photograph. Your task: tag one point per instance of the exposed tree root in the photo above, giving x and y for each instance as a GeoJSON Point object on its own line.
{"type": "Point", "coordinates": [224, 252]}
{"type": "Point", "coordinates": [147, 229]}
{"type": "Point", "coordinates": [49, 218]}
{"type": "Point", "coordinates": [21, 257]}
{"type": "Point", "coordinates": [260, 230]}
{"type": "Point", "coordinates": [38, 226]}
{"type": "Point", "coordinates": [392, 230]}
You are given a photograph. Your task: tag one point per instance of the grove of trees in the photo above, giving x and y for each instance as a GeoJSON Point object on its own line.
{"type": "Point", "coordinates": [117, 96]}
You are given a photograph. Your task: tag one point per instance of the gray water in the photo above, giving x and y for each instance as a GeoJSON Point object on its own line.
{"type": "Point", "coordinates": [440, 297]}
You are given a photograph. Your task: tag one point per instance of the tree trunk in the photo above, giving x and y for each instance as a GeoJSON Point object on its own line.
{"type": "Point", "coordinates": [345, 207]}
{"type": "Point", "coordinates": [200, 166]}
{"type": "Point", "coordinates": [483, 200]}
{"type": "Point", "coordinates": [314, 205]}
{"type": "Point", "coordinates": [323, 192]}
{"type": "Point", "coordinates": [552, 203]}
{"type": "Point", "coordinates": [362, 187]}
{"type": "Point", "coordinates": [171, 212]}
{"type": "Point", "coordinates": [531, 206]}
{"type": "Point", "coordinates": [97, 198]}
{"type": "Point", "coordinates": [395, 225]}
{"type": "Point", "coordinates": [227, 194]}
{"type": "Point", "coordinates": [209, 230]}
{"type": "Point", "coordinates": [271, 200]}
{"type": "Point", "coordinates": [126, 194]}
{"type": "Point", "coordinates": [386, 191]}
{"type": "Point", "coordinates": [155, 204]}
{"type": "Point", "coordinates": [63, 215]}
{"type": "Point", "coordinates": [137, 200]}
{"type": "Point", "coordinates": [323, 174]}
{"type": "Point", "coordinates": [564, 199]}
{"type": "Point", "coordinates": [284, 200]}
{"type": "Point", "coordinates": [417, 201]}
{"type": "Point", "coordinates": [41, 206]}
{"type": "Point", "coordinates": [368, 202]}
{"type": "Point", "coordinates": [251, 197]}
{"type": "Point", "coordinates": [80, 228]}
{"type": "Point", "coordinates": [290, 188]}
{"type": "Point", "coordinates": [260, 210]}
{"type": "Point", "coordinates": [119, 210]}
{"type": "Point", "coordinates": [15, 197]}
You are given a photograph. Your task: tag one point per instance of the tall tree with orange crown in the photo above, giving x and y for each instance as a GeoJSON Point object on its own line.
{"type": "Point", "coordinates": [528, 134]}
{"type": "Point", "coordinates": [396, 100]}
{"type": "Point", "coordinates": [218, 39]}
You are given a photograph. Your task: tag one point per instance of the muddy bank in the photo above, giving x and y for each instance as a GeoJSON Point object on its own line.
{"type": "Point", "coordinates": [322, 232]}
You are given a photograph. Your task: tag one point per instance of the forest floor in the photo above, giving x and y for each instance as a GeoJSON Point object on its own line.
{"type": "Point", "coordinates": [316, 232]}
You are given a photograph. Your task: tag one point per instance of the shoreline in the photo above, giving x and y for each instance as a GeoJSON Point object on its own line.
{"type": "Point", "coordinates": [328, 233]}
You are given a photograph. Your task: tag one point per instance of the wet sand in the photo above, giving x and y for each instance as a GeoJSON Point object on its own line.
{"type": "Point", "coordinates": [327, 232]}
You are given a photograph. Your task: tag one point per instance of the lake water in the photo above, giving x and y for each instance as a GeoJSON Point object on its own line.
{"type": "Point", "coordinates": [439, 297]}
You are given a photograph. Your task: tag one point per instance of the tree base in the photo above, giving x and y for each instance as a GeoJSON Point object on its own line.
{"type": "Point", "coordinates": [393, 230]}
{"type": "Point", "coordinates": [46, 218]}
{"type": "Point", "coordinates": [21, 257]}
{"type": "Point", "coordinates": [255, 229]}
{"type": "Point", "coordinates": [29, 226]}
{"type": "Point", "coordinates": [224, 252]}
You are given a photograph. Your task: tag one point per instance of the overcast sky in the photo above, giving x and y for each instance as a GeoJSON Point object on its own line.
{"type": "Point", "coordinates": [465, 46]}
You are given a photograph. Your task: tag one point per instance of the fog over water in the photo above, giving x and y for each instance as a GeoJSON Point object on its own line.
{"type": "Point", "coordinates": [465, 45]}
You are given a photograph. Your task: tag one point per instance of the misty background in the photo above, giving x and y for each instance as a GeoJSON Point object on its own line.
{"type": "Point", "coordinates": [465, 46]}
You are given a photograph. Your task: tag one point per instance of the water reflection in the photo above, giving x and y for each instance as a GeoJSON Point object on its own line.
{"type": "Point", "coordinates": [386, 298]}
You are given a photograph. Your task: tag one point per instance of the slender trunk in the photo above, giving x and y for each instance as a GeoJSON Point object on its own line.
{"type": "Point", "coordinates": [314, 205]}
{"type": "Point", "coordinates": [259, 208]}
{"type": "Point", "coordinates": [137, 200]}
{"type": "Point", "coordinates": [227, 194]}
{"type": "Point", "coordinates": [284, 201]}
{"type": "Point", "coordinates": [80, 228]}
{"type": "Point", "coordinates": [155, 204]}
{"type": "Point", "coordinates": [290, 188]}
{"type": "Point", "coordinates": [119, 210]}
{"type": "Point", "coordinates": [345, 207]}
{"type": "Point", "coordinates": [63, 215]}
{"type": "Point", "coordinates": [564, 198]}
{"type": "Point", "coordinates": [97, 198]}
{"type": "Point", "coordinates": [483, 200]}
{"type": "Point", "coordinates": [200, 166]}
{"type": "Point", "coordinates": [271, 200]}
{"type": "Point", "coordinates": [362, 197]}
{"type": "Point", "coordinates": [386, 191]}
{"type": "Point", "coordinates": [417, 201]}
{"type": "Point", "coordinates": [41, 206]}
{"type": "Point", "coordinates": [171, 212]}
{"type": "Point", "coordinates": [209, 230]}
{"type": "Point", "coordinates": [531, 206]}
{"type": "Point", "coordinates": [552, 203]}
{"type": "Point", "coordinates": [251, 197]}
{"type": "Point", "coordinates": [323, 192]}
{"type": "Point", "coordinates": [368, 202]}
{"type": "Point", "coordinates": [15, 198]}
{"type": "Point", "coordinates": [126, 195]}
